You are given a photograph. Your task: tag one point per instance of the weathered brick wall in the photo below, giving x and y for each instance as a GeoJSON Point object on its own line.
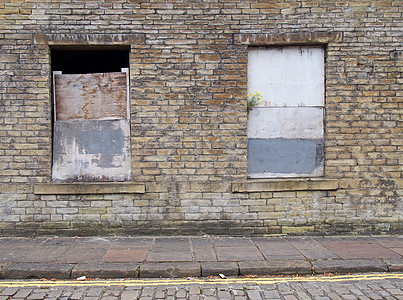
{"type": "Point", "coordinates": [188, 66]}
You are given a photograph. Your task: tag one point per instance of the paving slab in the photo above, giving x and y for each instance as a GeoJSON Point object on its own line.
{"type": "Point", "coordinates": [15, 249]}
{"type": "Point", "coordinates": [36, 270]}
{"type": "Point", "coordinates": [238, 253]}
{"type": "Point", "coordinates": [278, 249]}
{"type": "Point", "coordinates": [342, 266]}
{"type": "Point", "coordinates": [171, 244]}
{"type": "Point", "coordinates": [349, 249]}
{"type": "Point", "coordinates": [389, 242]}
{"type": "Point", "coordinates": [228, 268]}
{"type": "Point", "coordinates": [132, 243]}
{"type": "Point", "coordinates": [275, 267]}
{"type": "Point", "coordinates": [49, 251]}
{"type": "Point", "coordinates": [106, 270]}
{"type": "Point", "coordinates": [204, 254]}
{"type": "Point", "coordinates": [170, 270]}
{"type": "Point", "coordinates": [397, 250]}
{"type": "Point", "coordinates": [311, 249]}
{"type": "Point", "coordinates": [83, 254]}
{"type": "Point", "coordinates": [201, 242]}
{"type": "Point", "coordinates": [4, 241]}
{"type": "Point", "coordinates": [117, 255]}
{"type": "Point", "coordinates": [231, 241]}
{"type": "Point", "coordinates": [169, 256]}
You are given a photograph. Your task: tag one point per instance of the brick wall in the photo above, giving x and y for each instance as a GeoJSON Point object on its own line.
{"type": "Point", "coordinates": [188, 64]}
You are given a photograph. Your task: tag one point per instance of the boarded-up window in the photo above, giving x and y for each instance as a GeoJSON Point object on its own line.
{"type": "Point", "coordinates": [286, 130]}
{"type": "Point", "coordinates": [91, 129]}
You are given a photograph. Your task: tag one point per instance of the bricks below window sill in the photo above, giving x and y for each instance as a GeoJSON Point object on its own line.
{"type": "Point", "coordinates": [277, 185]}
{"type": "Point", "coordinates": [89, 188]}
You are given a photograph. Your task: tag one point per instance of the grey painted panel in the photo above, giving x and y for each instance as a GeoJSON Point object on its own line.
{"type": "Point", "coordinates": [91, 150]}
{"type": "Point", "coordinates": [284, 157]}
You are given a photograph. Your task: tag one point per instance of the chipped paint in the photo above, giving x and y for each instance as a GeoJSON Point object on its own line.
{"type": "Point", "coordinates": [284, 158]}
{"type": "Point", "coordinates": [92, 150]}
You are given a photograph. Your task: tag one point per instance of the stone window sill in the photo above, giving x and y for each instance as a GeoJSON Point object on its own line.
{"type": "Point", "coordinates": [280, 185]}
{"type": "Point", "coordinates": [89, 188]}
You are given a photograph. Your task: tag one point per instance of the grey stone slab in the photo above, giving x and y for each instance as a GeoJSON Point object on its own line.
{"type": "Point", "coordinates": [204, 254]}
{"type": "Point", "coordinates": [275, 267]}
{"type": "Point", "coordinates": [201, 242]}
{"type": "Point", "coordinates": [15, 249]}
{"type": "Point", "coordinates": [36, 270]}
{"type": "Point", "coordinates": [169, 256]}
{"type": "Point", "coordinates": [278, 250]}
{"type": "Point", "coordinates": [97, 242]}
{"type": "Point", "coordinates": [174, 269]}
{"type": "Point", "coordinates": [389, 241]}
{"type": "Point", "coordinates": [231, 241]}
{"type": "Point", "coordinates": [397, 250]}
{"type": "Point", "coordinates": [318, 253]}
{"type": "Point", "coordinates": [46, 252]}
{"type": "Point", "coordinates": [238, 253]}
{"type": "Point", "coordinates": [358, 249]}
{"type": "Point", "coordinates": [106, 270]}
{"type": "Point", "coordinates": [227, 268]}
{"type": "Point", "coordinates": [83, 254]}
{"type": "Point", "coordinates": [394, 264]}
{"type": "Point", "coordinates": [12, 255]}
{"type": "Point", "coordinates": [349, 266]}
{"type": "Point", "coordinates": [132, 243]}
{"type": "Point", "coordinates": [171, 244]}
{"type": "Point", "coordinates": [4, 241]}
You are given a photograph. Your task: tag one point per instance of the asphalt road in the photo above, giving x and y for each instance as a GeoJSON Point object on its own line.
{"type": "Point", "coordinates": [363, 286]}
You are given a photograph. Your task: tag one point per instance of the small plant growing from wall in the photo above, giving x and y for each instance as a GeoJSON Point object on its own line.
{"type": "Point", "coordinates": [253, 99]}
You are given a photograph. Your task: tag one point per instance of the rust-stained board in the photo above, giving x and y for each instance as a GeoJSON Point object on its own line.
{"type": "Point", "coordinates": [92, 128]}
{"type": "Point", "coordinates": [91, 96]}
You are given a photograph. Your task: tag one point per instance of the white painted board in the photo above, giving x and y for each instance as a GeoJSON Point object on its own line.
{"type": "Point", "coordinates": [287, 76]}
{"type": "Point", "coordinates": [286, 122]}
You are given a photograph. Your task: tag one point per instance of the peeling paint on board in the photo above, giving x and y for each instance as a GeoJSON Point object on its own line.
{"type": "Point", "coordinates": [92, 150]}
{"type": "Point", "coordinates": [91, 96]}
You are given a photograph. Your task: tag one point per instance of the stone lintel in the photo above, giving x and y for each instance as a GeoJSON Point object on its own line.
{"type": "Point", "coordinates": [300, 38]}
{"type": "Point", "coordinates": [89, 188]}
{"type": "Point", "coordinates": [71, 39]}
{"type": "Point", "coordinates": [276, 185]}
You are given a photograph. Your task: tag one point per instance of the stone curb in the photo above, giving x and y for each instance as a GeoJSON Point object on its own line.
{"type": "Point", "coordinates": [394, 264]}
{"type": "Point", "coordinates": [196, 269]}
{"type": "Point", "coordinates": [213, 268]}
{"type": "Point", "coordinates": [170, 270]}
{"type": "Point", "coordinates": [275, 267]}
{"type": "Point", "coordinates": [349, 266]}
{"type": "Point", "coordinates": [107, 270]}
{"type": "Point", "coordinates": [36, 271]}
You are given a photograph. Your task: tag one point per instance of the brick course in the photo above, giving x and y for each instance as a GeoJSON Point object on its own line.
{"type": "Point", "coordinates": [188, 64]}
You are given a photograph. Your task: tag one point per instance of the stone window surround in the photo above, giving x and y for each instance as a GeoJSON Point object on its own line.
{"type": "Point", "coordinates": [86, 187]}
{"type": "Point", "coordinates": [284, 184]}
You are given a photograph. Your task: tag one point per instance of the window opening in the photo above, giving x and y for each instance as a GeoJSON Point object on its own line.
{"type": "Point", "coordinates": [286, 129]}
{"type": "Point", "coordinates": [91, 139]}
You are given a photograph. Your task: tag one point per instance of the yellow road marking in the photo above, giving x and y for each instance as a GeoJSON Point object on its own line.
{"type": "Point", "coordinates": [206, 281]}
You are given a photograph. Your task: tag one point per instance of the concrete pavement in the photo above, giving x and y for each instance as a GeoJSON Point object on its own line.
{"type": "Point", "coordinates": [195, 256]}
